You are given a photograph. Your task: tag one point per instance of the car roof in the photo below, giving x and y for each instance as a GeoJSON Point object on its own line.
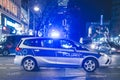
{"type": "Point", "coordinates": [43, 38]}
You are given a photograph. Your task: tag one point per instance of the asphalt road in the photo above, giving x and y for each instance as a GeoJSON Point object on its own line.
{"type": "Point", "coordinates": [9, 71]}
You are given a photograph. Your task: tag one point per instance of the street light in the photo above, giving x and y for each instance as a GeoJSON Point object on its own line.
{"type": "Point", "coordinates": [36, 9]}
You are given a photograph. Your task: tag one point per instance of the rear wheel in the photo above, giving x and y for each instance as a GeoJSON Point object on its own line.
{"type": "Point", "coordinates": [90, 65]}
{"type": "Point", "coordinates": [5, 52]}
{"type": "Point", "coordinates": [29, 64]}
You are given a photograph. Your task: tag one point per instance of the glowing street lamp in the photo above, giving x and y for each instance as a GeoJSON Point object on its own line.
{"type": "Point", "coordinates": [36, 8]}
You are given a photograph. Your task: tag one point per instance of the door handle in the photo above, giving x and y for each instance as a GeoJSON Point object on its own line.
{"type": "Point", "coordinates": [64, 53]}
{"type": "Point", "coordinates": [36, 50]}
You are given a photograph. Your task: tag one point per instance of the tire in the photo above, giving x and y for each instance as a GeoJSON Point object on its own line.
{"type": "Point", "coordinates": [90, 65]}
{"type": "Point", "coordinates": [5, 52]}
{"type": "Point", "coordinates": [29, 64]}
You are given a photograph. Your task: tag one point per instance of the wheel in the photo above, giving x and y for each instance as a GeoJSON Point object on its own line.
{"type": "Point", "coordinates": [5, 52]}
{"type": "Point", "coordinates": [90, 65]}
{"type": "Point", "coordinates": [29, 64]}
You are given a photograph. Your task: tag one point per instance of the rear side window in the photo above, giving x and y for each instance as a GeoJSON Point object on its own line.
{"type": "Point", "coordinates": [47, 43]}
{"type": "Point", "coordinates": [33, 42]}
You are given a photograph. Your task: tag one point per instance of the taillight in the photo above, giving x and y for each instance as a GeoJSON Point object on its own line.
{"type": "Point", "coordinates": [17, 49]}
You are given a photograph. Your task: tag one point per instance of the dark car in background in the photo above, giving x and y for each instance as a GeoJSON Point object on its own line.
{"type": "Point", "coordinates": [9, 42]}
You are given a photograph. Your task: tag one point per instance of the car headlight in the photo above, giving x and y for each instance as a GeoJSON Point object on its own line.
{"type": "Point", "coordinates": [113, 49]}
{"type": "Point", "coordinates": [1, 46]}
{"type": "Point", "coordinates": [103, 54]}
{"type": "Point", "coordinates": [93, 46]}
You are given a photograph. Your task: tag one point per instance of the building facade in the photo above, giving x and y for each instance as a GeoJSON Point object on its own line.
{"type": "Point", "coordinates": [11, 17]}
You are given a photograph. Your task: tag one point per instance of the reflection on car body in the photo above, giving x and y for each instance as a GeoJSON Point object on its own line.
{"type": "Point", "coordinates": [35, 52]}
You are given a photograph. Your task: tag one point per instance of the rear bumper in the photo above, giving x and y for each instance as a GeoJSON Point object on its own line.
{"type": "Point", "coordinates": [18, 60]}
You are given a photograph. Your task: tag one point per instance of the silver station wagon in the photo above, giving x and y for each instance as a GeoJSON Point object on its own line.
{"type": "Point", "coordinates": [35, 52]}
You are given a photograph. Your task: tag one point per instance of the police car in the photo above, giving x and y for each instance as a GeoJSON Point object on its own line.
{"type": "Point", "coordinates": [35, 52]}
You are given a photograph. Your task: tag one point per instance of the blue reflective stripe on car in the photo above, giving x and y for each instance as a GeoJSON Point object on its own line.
{"type": "Point", "coordinates": [55, 52]}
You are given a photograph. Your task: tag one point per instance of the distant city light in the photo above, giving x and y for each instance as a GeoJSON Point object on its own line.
{"type": "Point", "coordinates": [4, 28]}
{"type": "Point", "coordinates": [30, 32]}
{"type": "Point", "coordinates": [36, 8]}
{"type": "Point", "coordinates": [55, 34]}
{"type": "Point", "coordinates": [81, 40]}
{"type": "Point", "coordinates": [93, 46]}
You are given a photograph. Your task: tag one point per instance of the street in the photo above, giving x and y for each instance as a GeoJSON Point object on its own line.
{"type": "Point", "coordinates": [9, 71]}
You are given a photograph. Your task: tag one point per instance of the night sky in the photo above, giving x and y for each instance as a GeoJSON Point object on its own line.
{"type": "Point", "coordinates": [92, 9]}
{"type": "Point", "coordinates": [83, 11]}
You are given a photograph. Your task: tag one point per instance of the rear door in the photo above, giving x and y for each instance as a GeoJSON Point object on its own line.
{"type": "Point", "coordinates": [44, 51]}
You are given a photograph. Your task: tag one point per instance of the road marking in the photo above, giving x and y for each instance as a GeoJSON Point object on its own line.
{"type": "Point", "coordinates": [3, 67]}
{"type": "Point", "coordinates": [9, 64]}
{"type": "Point", "coordinates": [15, 68]}
{"type": "Point", "coordinates": [114, 67]}
{"type": "Point", "coordinates": [118, 66]}
{"type": "Point", "coordinates": [98, 75]}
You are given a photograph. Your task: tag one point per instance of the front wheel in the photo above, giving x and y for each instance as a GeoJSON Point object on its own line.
{"type": "Point", "coordinates": [29, 64]}
{"type": "Point", "coordinates": [90, 65]}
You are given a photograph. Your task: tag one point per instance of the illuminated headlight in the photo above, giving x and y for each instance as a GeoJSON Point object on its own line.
{"type": "Point", "coordinates": [93, 46]}
{"type": "Point", "coordinates": [113, 49]}
{"type": "Point", "coordinates": [103, 54]}
{"type": "Point", "coordinates": [1, 46]}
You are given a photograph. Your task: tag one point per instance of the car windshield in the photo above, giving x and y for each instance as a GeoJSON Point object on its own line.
{"type": "Point", "coordinates": [81, 46]}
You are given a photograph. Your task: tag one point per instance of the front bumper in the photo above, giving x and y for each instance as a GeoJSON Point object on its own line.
{"type": "Point", "coordinates": [105, 61]}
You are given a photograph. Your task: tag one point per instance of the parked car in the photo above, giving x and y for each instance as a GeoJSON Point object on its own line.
{"type": "Point", "coordinates": [34, 52]}
{"type": "Point", "coordinates": [9, 42]}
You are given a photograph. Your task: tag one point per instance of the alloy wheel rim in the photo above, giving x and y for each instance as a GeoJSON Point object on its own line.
{"type": "Point", "coordinates": [29, 64]}
{"type": "Point", "coordinates": [89, 65]}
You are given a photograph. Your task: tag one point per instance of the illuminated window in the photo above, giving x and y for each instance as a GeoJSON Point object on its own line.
{"type": "Point", "coordinates": [5, 3]}
{"type": "Point", "coordinates": [9, 5]}
{"type": "Point", "coordinates": [0, 2]}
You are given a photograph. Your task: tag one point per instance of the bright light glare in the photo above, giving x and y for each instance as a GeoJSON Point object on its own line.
{"type": "Point", "coordinates": [4, 28]}
{"type": "Point", "coordinates": [113, 49]}
{"type": "Point", "coordinates": [93, 46]}
{"type": "Point", "coordinates": [55, 34]}
{"type": "Point", "coordinates": [36, 8]}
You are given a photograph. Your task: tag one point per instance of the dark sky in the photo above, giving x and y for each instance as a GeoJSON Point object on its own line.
{"type": "Point", "coordinates": [83, 11]}
{"type": "Point", "coordinates": [94, 8]}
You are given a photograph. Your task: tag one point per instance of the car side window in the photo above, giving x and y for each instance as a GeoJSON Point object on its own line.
{"type": "Point", "coordinates": [33, 42]}
{"type": "Point", "coordinates": [66, 44]}
{"type": "Point", "coordinates": [47, 43]}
